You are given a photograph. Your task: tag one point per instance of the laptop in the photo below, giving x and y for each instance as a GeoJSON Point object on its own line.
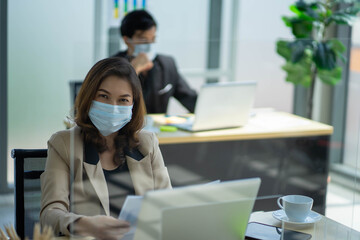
{"type": "Point", "coordinates": [210, 211]}
{"type": "Point", "coordinates": [221, 105]}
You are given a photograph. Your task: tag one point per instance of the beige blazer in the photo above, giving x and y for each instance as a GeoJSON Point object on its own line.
{"type": "Point", "coordinates": [66, 199]}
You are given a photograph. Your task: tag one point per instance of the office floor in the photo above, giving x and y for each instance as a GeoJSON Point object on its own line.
{"type": "Point", "coordinates": [342, 205]}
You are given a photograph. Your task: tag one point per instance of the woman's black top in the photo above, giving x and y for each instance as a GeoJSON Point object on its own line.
{"type": "Point", "coordinates": [119, 183]}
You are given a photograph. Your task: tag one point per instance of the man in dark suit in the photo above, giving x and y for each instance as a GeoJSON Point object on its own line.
{"type": "Point", "coordinates": [158, 73]}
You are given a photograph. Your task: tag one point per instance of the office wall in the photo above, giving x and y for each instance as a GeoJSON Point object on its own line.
{"type": "Point", "coordinates": [260, 26]}
{"type": "Point", "coordinates": [50, 43]}
{"type": "Point", "coordinates": [182, 30]}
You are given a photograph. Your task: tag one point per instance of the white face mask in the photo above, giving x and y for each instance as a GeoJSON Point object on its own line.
{"type": "Point", "coordinates": [109, 118]}
{"type": "Point", "coordinates": [148, 48]}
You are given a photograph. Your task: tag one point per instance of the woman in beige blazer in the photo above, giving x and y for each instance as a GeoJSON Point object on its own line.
{"type": "Point", "coordinates": [105, 149]}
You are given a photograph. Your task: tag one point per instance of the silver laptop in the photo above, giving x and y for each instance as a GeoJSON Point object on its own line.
{"type": "Point", "coordinates": [221, 105]}
{"type": "Point", "coordinates": [211, 211]}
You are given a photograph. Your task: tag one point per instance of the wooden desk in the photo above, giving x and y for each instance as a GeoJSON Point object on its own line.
{"type": "Point", "coordinates": [266, 123]}
{"type": "Point", "coordinates": [289, 154]}
{"type": "Point", "coordinates": [326, 228]}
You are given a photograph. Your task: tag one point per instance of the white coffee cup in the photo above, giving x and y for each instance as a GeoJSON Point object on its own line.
{"type": "Point", "coordinates": [296, 207]}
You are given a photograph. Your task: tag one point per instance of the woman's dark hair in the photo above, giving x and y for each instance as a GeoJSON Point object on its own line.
{"type": "Point", "coordinates": [136, 20]}
{"type": "Point", "coordinates": [127, 136]}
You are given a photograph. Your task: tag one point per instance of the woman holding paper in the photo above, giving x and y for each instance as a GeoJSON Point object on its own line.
{"type": "Point", "coordinates": [91, 167]}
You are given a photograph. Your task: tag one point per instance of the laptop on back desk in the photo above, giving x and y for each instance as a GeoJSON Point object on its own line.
{"type": "Point", "coordinates": [221, 105]}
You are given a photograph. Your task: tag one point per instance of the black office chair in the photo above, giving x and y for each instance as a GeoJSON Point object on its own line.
{"type": "Point", "coordinates": [74, 90]}
{"type": "Point", "coordinates": [29, 165]}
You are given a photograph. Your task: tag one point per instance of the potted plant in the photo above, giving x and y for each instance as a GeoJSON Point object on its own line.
{"type": "Point", "coordinates": [313, 55]}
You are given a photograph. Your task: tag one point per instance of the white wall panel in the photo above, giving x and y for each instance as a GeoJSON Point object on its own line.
{"type": "Point", "coordinates": [50, 43]}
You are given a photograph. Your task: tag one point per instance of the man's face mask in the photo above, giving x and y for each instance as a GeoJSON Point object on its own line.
{"type": "Point", "coordinates": [147, 48]}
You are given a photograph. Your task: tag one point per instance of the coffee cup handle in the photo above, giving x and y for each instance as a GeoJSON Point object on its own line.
{"type": "Point", "coordinates": [279, 204]}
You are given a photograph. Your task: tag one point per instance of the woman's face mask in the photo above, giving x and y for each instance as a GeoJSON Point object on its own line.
{"type": "Point", "coordinates": [109, 118]}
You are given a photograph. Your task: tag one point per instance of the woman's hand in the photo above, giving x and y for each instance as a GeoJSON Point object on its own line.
{"type": "Point", "coordinates": [101, 227]}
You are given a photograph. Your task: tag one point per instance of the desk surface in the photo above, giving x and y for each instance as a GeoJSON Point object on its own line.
{"type": "Point", "coordinates": [326, 228]}
{"type": "Point", "coordinates": [265, 123]}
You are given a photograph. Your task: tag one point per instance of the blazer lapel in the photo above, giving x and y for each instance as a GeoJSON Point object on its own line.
{"type": "Point", "coordinates": [141, 174]}
{"type": "Point", "coordinates": [97, 179]}
{"type": "Point", "coordinates": [95, 173]}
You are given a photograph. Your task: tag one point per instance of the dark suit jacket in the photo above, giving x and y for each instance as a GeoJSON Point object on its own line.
{"type": "Point", "coordinates": [162, 82]}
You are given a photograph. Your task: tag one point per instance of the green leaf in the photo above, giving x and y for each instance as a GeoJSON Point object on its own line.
{"type": "Point", "coordinates": [301, 28]}
{"type": "Point", "coordinates": [297, 51]}
{"type": "Point", "coordinates": [287, 21]}
{"type": "Point", "coordinates": [301, 5]}
{"type": "Point", "coordinates": [336, 45]}
{"type": "Point", "coordinates": [283, 49]}
{"type": "Point", "coordinates": [295, 9]}
{"type": "Point", "coordinates": [305, 11]}
{"type": "Point", "coordinates": [298, 73]}
{"type": "Point", "coordinates": [324, 57]}
{"type": "Point", "coordinates": [338, 48]}
{"type": "Point", "coordinates": [311, 13]}
{"type": "Point", "coordinates": [330, 77]}
{"type": "Point", "coordinates": [328, 13]}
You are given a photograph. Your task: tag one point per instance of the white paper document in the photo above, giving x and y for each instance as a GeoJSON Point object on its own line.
{"type": "Point", "coordinates": [130, 212]}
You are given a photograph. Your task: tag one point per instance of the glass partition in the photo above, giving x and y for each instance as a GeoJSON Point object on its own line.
{"type": "Point", "coordinates": [288, 153]}
{"type": "Point", "coordinates": [49, 45]}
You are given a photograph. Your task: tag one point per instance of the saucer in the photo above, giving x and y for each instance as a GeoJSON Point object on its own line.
{"type": "Point", "coordinates": [281, 216]}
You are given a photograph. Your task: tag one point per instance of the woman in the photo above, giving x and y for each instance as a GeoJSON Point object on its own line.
{"type": "Point", "coordinates": [105, 151]}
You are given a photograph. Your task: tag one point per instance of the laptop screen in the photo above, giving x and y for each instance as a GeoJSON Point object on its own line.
{"type": "Point", "coordinates": [225, 220]}
{"type": "Point", "coordinates": [222, 105]}
{"type": "Point", "coordinates": [220, 197]}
